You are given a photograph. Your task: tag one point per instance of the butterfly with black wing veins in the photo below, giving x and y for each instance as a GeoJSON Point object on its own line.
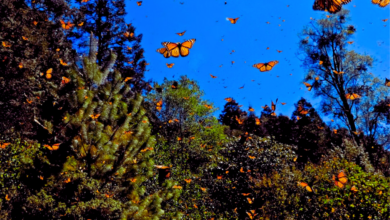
{"type": "Point", "coordinates": [263, 67]}
{"type": "Point", "coordinates": [332, 6]}
{"type": "Point", "coordinates": [178, 49]}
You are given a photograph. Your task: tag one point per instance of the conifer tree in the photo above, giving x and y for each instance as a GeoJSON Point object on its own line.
{"type": "Point", "coordinates": [99, 165]}
{"type": "Point", "coordinates": [31, 71]}
{"type": "Point", "coordinates": [105, 18]}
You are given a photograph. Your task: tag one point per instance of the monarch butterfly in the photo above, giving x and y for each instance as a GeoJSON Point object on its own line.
{"type": "Point", "coordinates": [306, 186]}
{"type": "Point", "coordinates": [384, 20]}
{"type": "Point", "coordinates": [82, 1]}
{"type": "Point", "coordinates": [352, 96]}
{"type": "Point", "coordinates": [213, 76]}
{"type": "Point", "coordinates": [161, 167]}
{"type": "Point", "coordinates": [240, 121]}
{"type": "Point", "coordinates": [317, 78]}
{"type": "Point", "coordinates": [273, 106]}
{"type": "Point", "coordinates": [302, 111]}
{"type": "Point", "coordinates": [354, 189]}
{"type": "Point", "coordinates": [176, 49]}
{"type": "Point", "coordinates": [308, 86]}
{"type": "Point", "coordinates": [341, 179]}
{"type": "Point", "coordinates": [128, 132]}
{"type": "Point", "coordinates": [219, 177]}
{"type": "Point", "coordinates": [174, 85]}
{"type": "Point", "coordinates": [170, 65]}
{"type": "Point", "coordinates": [128, 78]}
{"type": "Point", "coordinates": [264, 107]}
{"type": "Point", "coordinates": [228, 99]}
{"type": "Point", "coordinates": [48, 73]}
{"type": "Point", "coordinates": [319, 127]}
{"type": "Point", "coordinates": [164, 51]}
{"type": "Point", "coordinates": [332, 6]}
{"type": "Point", "coordinates": [94, 117]}
{"type": "Point", "coordinates": [298, 118]}
{"type": "Point", "coordinates": [181, 34]}
{"type": "Point", "coordinates": [133, 180]}
{"type": "Point", "coordinates": [273, 114]}
{"type": "Point", "coordinates": [335, 131]}
{"type": "Point", "coordinates": [257, 121]}
{"type": "Point", "coordinates": [81, 24]}
{"type": "Point", "coordinates": [250, 201]}
{"type": "Point", "coordinates": [267, 48]}
{"type": "Point", "coordinates": [387, 83]}
{"type": "Point", "coordinates": [65, 80]}
{"type": "Point", "coordinates": [233, 20]}
{"type": "Point", "coordinates": [251, 157]}
{"type": "Point", "coordinates": [242, 87]}
{"type": "Point", "coordinates": [177, 187]}
{"type": "Point", "coordinates": [251, 109]}
{"type": "Point", "coordinates": [20, 65]}
{"type": "Point", "coordinates": [67, 25]}
{"type": "Point", "coordinates": [188, 180]}
{"type": "Point", "coordinates": [54, 147]}
{"type": "Point", "coordinates": [6, 44]}
{"type": "Point", "coordinates": [251, 214]}
{"type": "Point", "coordinates": [203, 189]}
{"type": "Point", "coordinates": [128, 34]}
{"type": "Point", "coordinates": [208, 106]}
{"type": "Point", "coordinates": [381, 3]}
{"type": "Point", "coordinates": [3, 145]}
{"type": "Point", "coordinates": [357, 132]}
{"type": "Point", "coordinates": [63, 63]}
{"type": "Point", "coordinates": [283, 103]}
{"type": "Point", "coordinates": [186, 98]}
{"type": "Point", "coordinates": [159, 105]}
{"type": "Point", "coordinates": [321, 62]}
{"type": "Point", "coordinates": [350, 42]}
{"type": "Point", "coordinates": [279, 51]}
{"type": "Point", "coordinates": [139, 3]}
{"type": "Point", "coordinates": [35, 23]}
{"type": "Point", "coordinates": [265, 66]}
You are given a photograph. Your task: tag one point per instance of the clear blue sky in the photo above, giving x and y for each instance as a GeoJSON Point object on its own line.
{"type": "Point", "coordinates": [205, 20]}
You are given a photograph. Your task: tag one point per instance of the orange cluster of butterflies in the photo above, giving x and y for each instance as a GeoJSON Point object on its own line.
{"type": "Point", "coordinates": [340, 181]}
{"type": "Point", "coordinates": [176, 49]}
{"type": "Point", "coordinates": [334, 6]}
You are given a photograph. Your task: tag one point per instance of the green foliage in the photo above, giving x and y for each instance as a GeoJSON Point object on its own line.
{"type": "Point", "coordinates": [189, 139]}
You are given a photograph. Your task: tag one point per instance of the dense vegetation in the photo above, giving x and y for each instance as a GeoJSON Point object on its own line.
{"type": "Point", "coordinates": [89, 138]}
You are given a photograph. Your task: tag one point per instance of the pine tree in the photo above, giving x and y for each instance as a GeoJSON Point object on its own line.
{"type": "Point", "coordinates": [105, 18]}
{"type": "Point", "coordinates": [99, 165]}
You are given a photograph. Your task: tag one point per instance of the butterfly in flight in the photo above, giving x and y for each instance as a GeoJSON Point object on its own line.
{"type": "Point", "coordinates": [164, 51]}
{"type": "Point", "coordinates": [213, 76]}
{"type": "Point", "coordinates": [139, 3]}
{"type": "Point", "coordinates": [309, 87]}
{"type": "Point", "coordinates": [331, 6]}
{"type": "Point", "coordinates": [242, 87]}
{"type": "Point", "coordinates": [263, 67]}
{"type": "Point", "coordinates": [181, 34]}
{"type": "Point", "coordinates": [170, 65]}
{"type": "Point", "coordinates": [381, 3]}
{"type": "Point", "coordinates": [233, 20]}
{"type": "Point", "coordinates": [177, 49]}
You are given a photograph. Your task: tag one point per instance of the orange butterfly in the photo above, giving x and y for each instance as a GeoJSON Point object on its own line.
{"type": "Point", "coordinates": [213, 76]}
{"type": "Point", "coordinates": [170, 65]}
{"type": "Point", "coordinates": [228, 99]}
{"type": "Point", "coordinates": [128, 78]}
{"type": "Point", "coordinates": [384, 20]}
{"type": "Point", "coordinates": [283, 103]}
{"type": "Point", "coordinates": [381, 3]}
{"type": "Point", "coordinates": [321, 62]}
{"type": "Point", "coordinates": [331, 6]}
{"type": "Point", "coordinates": [338, 73]}
{"type": "Point", "coordinates": [94, 117]}
{"type": "Point", "coordinates": [233, 20]}
{"type": "Point", "coordinates": [188, 180]}
{"type": "Point", "coordinates": [335, 131]}
{"type": "Point", "coordinates": [3, 145]}
{"type": "Point", "coordinates": [245, 194]}
{"type": "Point", "coordinates": [48, 73]}
{"type": "Point", "coordinates": [65, 80]}
{"type": "Point", "coordinates": [177, 49]}
{"type": "Point", "coordinates": [250, 201]}
{"type": "Point", "coordinates": [319, 127]}
{"type": "Point", "coordinates": [302, 111]}
{"type": "Point", "coordinates": [317, 78]}
{"type": "Point", "coordinates": [387, 82]}
{"type": "Point", "coordinates": [161, 167]}
{"type": "Point", "coordinates": [82, 1]}
{"type": "Point", "coordinates": [177, 187]}
{"type": "Point", "coordinates": [273, 114]}
{"type": "Point", "coordinates": [20, 65]}
{"type": "Point", "coordinates": [159, 105]}
{"type": "Point", "coordinates": [279, 51]}
{"type": "Point", "coordinates": [54, 147]}
{"type": "Point", "coordinates": [308, 86]}
{"type": "Point", "coordinates": [139, 3]}
{"type": "Point", "coordinates": [352, 96]}
{"type": "Point", "coordinates": [208, 106]}
{"type": "Point", "coordinates": [273, 106]}
{"type": "Point", "coordinates": [251, 157]}
{"type": "Point", "coordinates": [164, 51]}
{"type": "Point", "coordinates": [67, 25]}
{"type": "Point", "coordinates": [63, 63]}
{"type": "Point", "coordinates": [354, 189]}
{"type": "Point", "coordinates": [240, 121]}
{"type": "Point", "coordinates": [174, 85]}
{"type": "Point", "coordinates": [265, 66]}
{"type": "Point", "coordinates": [341, 179]}
{"type": "Point", "coordinates": [219, 177]}
{"type": "Point", "coordinates": [350, 42]}
{"type": "Point", "coordinates": [181, 34]}
{"type": "Point", "coordinates": [6, 44]}
{"type": "Point", "coordinates": [252, 214]}
{"type": "Point", "coordinates": [81, 24]}
{"type": "Point", "coordinates": [258, 121]}
{"type": "Point", "coordinates": [251, 109]}
{"type": "Point", "coordinates": [35, 23]}
{"type": "Point", "coordinates": [306, 186]}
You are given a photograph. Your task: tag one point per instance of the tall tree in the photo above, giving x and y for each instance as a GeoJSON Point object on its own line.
{"type": "Point", "coordinates": [99, 165]}
{"type": "Point", "coordinates": [341, 77]}
{"type": "Point", "coordinates": [105, 18]}
{"type": "Point", "coordinates": [32, 46]}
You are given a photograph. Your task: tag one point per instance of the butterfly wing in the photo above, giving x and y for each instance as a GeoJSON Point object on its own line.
{"type": "Point", "coordinates": [186, 46]}
{"type": "Point", "coordinates": [384, 3]}
{"type": "Point", "coordinates": [387, 83]}
{"type": "Point", "coordinates": [342, 177]}
{"type": "Point", "coordinates": [173, 48]}
{"type": "Point", "coordinates": [164, 51]}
